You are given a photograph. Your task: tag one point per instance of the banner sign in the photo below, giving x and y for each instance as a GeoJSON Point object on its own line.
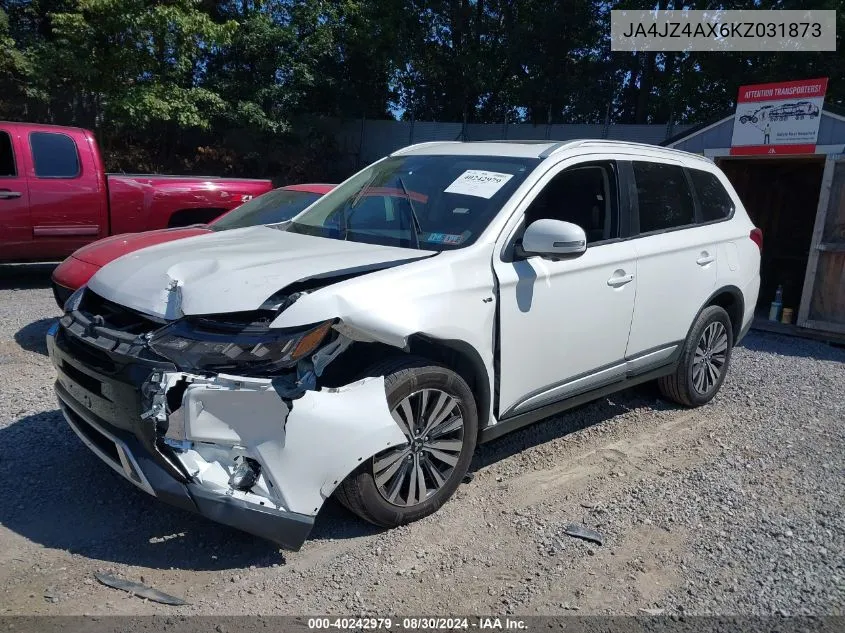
{"type": "Point", "coordinates": [778, 118]}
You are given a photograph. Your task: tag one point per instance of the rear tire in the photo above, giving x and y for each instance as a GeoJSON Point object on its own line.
{"type": "Point", "coordinates": [705, 360]}
{"type": "Point", "coordinates": [428, 469]}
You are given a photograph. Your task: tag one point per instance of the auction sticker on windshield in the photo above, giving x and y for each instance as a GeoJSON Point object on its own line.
{"type": "Point", "coordinates": [477, 182]}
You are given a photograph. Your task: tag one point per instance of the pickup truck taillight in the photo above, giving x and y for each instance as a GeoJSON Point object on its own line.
{"type": "Point", "coordinates": [757, 237]}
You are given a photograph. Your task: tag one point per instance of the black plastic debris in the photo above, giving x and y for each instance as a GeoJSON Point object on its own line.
{"type": "Point", "coordinates": [137, 589]}
{"type": "Point", "coordinates": [579, 531]}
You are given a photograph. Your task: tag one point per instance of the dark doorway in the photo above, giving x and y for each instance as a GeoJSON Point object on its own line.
{"type": "Point", "coordinates": [781, 197]}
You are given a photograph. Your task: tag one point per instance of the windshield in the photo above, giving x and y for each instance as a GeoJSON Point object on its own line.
{"type": "Point", "coordinates": [427, 202]}
{"type": "Point", "coordinates": [274, 206]}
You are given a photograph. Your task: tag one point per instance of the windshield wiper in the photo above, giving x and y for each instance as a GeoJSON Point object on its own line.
{"type": "Point", "coordinates": [415, 221]}
{"type": "Point", "coordinates": [352, 204]}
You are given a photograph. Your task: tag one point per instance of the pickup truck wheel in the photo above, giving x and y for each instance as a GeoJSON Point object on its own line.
{"type": "Point", "coordinates": [704, 360]}
{"type": "Point", "coordinates": [436, 411]}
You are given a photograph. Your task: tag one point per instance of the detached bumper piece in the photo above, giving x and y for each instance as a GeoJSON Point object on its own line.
{"type": "Point", "coordinates": [102, 403]}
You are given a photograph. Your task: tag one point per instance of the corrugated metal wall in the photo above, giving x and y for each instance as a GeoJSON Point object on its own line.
{"type": "Point", "coordinates": [831, 130]}
{"type": "Point", "coordinates": [370, 140]}
{"type": "Point", "coordinates": [717, 136]}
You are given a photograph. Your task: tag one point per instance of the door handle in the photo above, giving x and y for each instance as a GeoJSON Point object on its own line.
{"type": "Point", "coordinates": [5, 194]}
{"type": "Point", "coordinates": [621, 280]}
{"type": "Point", "coordinates": [706, 258]}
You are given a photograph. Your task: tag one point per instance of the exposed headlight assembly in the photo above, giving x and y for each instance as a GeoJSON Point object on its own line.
{"type": "Point", "coordinates": [194, 348]}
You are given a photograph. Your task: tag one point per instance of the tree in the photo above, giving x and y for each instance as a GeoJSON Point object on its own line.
{"type": "Point", "coordinates": [251, 79]}
{"type": "Point", "coordinates": [134, 63]}
{"type": "Point", "coordinates": [16, 71]}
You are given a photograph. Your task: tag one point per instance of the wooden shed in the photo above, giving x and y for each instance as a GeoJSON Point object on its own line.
{"type": "Point", "coordinates": [798, 200]}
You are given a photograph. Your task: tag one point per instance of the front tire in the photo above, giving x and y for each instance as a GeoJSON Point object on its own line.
{"type": "Point", "coordinates": [704, 360]}
{"type": "Point", "coordinates": [436, 411]}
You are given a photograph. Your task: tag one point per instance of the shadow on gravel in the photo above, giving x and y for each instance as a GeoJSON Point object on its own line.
{"type": "Point", "coordinates": [60, 495]}
{"type": "Point", "coordinates": [337, 523]}
{"type": "Point", "coordinates": [769, 343]}
{"type": "Point", "coordinates": [25, 276]}
{"type": "Point", "coordinates": [598, 412]}
{"type": "Point", "coordinates": [32, 337]}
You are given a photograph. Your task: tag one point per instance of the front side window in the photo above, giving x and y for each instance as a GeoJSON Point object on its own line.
{"type": "Point", "coordinates": [54, 155]}
{"type": "Point", "coordinates": [584, 195]}
{"type": "Point", "coordinates": [274, 206]}
{"type": "Point", "coordinates": [7, 156]}
{"type": "Point", "coordinates": [715, 203]}
{"type": "Point", "coordinates": [663, 196]}
{"type": "Point", "coordinates": [427, 202]}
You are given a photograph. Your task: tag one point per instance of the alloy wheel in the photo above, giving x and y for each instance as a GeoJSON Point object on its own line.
{"type": "Point", "coordinates": [433, 424]}
{"type": "Point", "coordinates": [710, 355]}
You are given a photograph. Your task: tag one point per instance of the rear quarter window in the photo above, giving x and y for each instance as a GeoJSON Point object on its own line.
{"type": "Point", "coordinates": [54, 155]}
{"type": "Point", "coordinates": [715, 203]}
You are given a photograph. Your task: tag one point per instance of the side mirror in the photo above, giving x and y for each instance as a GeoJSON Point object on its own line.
{"type": "Point", "coordinates": [553, 238]}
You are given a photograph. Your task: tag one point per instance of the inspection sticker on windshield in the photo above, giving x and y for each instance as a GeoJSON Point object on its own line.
{"type": "Point", "coordinates": [444, 238]}
{"type": "Point", "coordinates": [476, 182]}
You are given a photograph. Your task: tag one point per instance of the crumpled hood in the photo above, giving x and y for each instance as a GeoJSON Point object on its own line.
{"type": "Point", "coordinates": [231, 271]}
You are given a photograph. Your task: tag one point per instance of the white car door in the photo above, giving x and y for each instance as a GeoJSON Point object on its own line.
{"type": "Point", "coordinates": [676, 259]}
{"type": "Point", "coordinates": [563, 325]}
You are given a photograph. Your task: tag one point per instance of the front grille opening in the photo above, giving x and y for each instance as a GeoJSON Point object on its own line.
{"type": "Point", "coordinates": [82, 379]}
{"type": "Point", "coordinates": [117, 317]}
{"type": "Point", "coordinates": [103, 443]}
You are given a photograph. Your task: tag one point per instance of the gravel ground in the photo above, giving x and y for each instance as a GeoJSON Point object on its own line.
{"type": "Point", "coordinates": [733, 508]}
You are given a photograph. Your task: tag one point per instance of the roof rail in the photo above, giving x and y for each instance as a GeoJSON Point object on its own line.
{"type": "Point", "coordinates": [628, 144]}
{"type": "Point", "coordinates": [517, 141]}
{"type": "Point", "coordinates": [399, 151]}
{"type": "Point", "coordinates": [557, 146]}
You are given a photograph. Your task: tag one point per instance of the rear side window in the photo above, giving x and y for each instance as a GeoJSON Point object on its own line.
{"type": "Point", "coordinates": [54, 155]}
{"type": "Point", "coordinates": [664, 197]}
{"type": "Point", "coordinates": [7, 156]}
{"type": "Point", "coordinates": [715, 202]}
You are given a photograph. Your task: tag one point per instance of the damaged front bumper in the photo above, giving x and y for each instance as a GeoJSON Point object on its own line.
{"type": "Point", "coordinates": [182, 436]}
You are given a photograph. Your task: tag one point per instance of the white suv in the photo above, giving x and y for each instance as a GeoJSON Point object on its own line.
{"type": "Point", "coordinates": [442, 296]}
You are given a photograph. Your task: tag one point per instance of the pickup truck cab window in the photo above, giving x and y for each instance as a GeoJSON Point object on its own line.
{"type": "Point", "coordinates": [7, 156]}
{"type": "Point", "coordinates": [54, 155]}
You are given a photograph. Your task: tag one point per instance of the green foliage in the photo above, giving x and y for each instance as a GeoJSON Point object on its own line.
{"type": "Point", "coordinates": [142, 63]}
{"type": "Point", "coordinates": [16, 69]}
{"type": "Point", "coordinates": [150, 104]}
{"type": "Point", "coordinates": [248, 75]}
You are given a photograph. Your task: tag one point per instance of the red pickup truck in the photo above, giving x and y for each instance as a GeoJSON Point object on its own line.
{"type": "Point", "coordinates": [55, 195]}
